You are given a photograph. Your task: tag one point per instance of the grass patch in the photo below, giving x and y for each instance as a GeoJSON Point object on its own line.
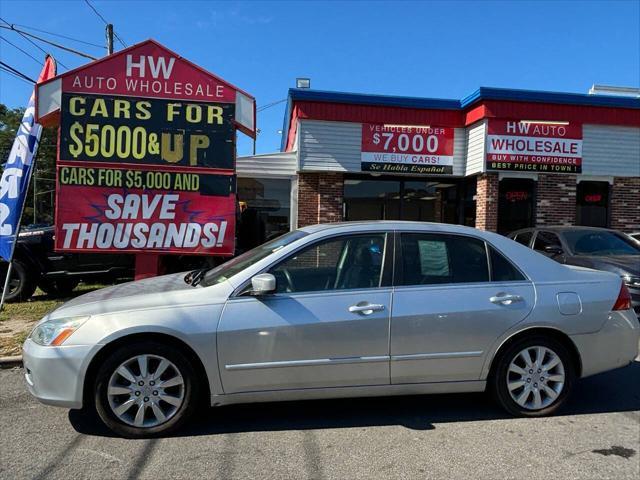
{"type": "Point", "coordinates": [10, 346]}
{"type": "Point", "coordinates": [40, 304]}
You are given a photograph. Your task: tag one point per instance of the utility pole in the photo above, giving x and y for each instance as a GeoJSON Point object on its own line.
{"type": "Point", "coordinates": [109, 39]}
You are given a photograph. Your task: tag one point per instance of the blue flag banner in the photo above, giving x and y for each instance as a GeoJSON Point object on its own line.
{"type": "Point", "coordinates": [17, 171]}
{"type": "Point", "coordinates": [15, 179]}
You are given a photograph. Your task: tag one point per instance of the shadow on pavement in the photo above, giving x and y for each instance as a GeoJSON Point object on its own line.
{"type": "Point", "coordinates": [615, 391]}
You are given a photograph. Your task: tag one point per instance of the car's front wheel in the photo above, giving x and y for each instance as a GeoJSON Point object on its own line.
{"type": "Point", "coordinates": [534, 377]}
{"type": "Point", "coordinates": [145, 389]}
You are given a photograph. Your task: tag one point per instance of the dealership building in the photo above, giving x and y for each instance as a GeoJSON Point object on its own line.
{"type": "Point", "coordinates": [499, 160]}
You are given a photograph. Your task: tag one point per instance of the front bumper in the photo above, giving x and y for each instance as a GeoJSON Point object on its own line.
{"type": "Point", "coordinates": [55, 375]}
{"type": "Point", "coordinates": [615, 345]}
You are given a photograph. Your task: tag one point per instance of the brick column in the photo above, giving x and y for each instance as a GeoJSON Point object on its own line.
{"type": "Point", "coordinates": [320, 197]}
{"type": "Point", "coordinates": [625, 204]}
{"type": "Point", "coordinates": [487, 202]}
{"type": "Point", "coordinates": [307, 199]}
{"type": "Point", "coordinates": [555, 200]}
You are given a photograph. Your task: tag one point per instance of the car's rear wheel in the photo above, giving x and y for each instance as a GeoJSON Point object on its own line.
{"type": "Point", "coordinates": [145, 389]}
{"type": "Point", "coordinates": [534, 377]}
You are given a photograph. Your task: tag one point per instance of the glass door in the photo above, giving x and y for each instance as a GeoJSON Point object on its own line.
{"type": "Point", "coordinates": [515, 204]}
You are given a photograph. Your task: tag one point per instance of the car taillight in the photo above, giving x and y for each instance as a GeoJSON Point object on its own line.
{"type": "Point", "coordinates": [624, 299]}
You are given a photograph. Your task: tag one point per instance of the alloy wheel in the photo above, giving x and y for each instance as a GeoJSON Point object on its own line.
{"type": "Point", "coordinates": [536, 377]}
{"type": "Point", "coordinates": [146, 391]}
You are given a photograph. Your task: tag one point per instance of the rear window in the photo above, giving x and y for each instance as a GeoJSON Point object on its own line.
{"type": "Point", "coordinates": [524, 238]}
{"type": "Point", "coordinates": [600, 243]}
{"type": "Point", "coordinates": [502, 270]}
{"type": "Point", "coordinates": [436, 259]}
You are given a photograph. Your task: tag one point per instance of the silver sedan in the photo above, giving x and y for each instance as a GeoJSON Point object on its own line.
{"type": "Point", "coordinates": [341, 310]}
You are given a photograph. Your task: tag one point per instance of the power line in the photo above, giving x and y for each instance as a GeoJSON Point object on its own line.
{"type": "Point", "coordinates": [57, 45]}
{"type": "Point", "coordinates": [10, 27]}
{"type": "Point", "coordinates": [23, 51]}
{"type": "Point", "coordinates": [61, 36]}
{"type": "Point", "coordinates": [6, 70]}
{"type": "Point", "coordinates": [105, 22]}
{"type": "Point", "coordinates": [269, 105]}
{"type": "Point", "coordinates": [17, 72]}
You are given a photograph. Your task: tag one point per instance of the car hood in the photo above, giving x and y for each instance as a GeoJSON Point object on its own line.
{"type": "Point", "coordinates": [156, 292]}
{"type": "Point", "coordinates": [620, 264]}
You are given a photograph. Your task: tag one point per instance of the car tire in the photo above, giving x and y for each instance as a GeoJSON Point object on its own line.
{"type": "Point", "coordinates": [62, 287]}
{"type": "Point", "coordinates": [526, 387]}
{"type": "Point", "coordinates": [111, 405]}
{"type": "Point", "coordinates": [22, 283]}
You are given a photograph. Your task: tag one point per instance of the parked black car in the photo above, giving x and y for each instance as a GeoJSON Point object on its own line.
{"type": "Point", "coordinates": [597, 248]}
{"type": "Point", "coordinates": [37, 265]}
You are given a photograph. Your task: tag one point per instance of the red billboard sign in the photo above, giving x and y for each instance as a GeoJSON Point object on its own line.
{"type": "Point", "coordinates": [407, 149]}
{"type": "Point", "coordinates": [136, 209]}
{"type": "Point", "coordinates": [146, 157]}
{"type": "Point", "coordinates": [534, 146]}
{"type": "Point", "coordinates": [151, 71]}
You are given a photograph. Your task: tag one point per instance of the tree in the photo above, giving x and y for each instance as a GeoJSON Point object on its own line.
{"type": "Point", "coordinates": [45, 171]}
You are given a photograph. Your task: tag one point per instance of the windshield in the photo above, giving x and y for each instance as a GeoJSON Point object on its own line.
{"type": "Point", "coordinates": [600, 243]}
{"type": "Point", "coordinates": [239, 263]}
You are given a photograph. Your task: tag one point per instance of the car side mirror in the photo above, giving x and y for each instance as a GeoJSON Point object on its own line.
{"type": "Point", "coordinates": [553, 249]}
{"type": "Point", "coordinates": [262, 284]}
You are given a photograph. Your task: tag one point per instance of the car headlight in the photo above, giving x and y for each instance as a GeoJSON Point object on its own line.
{"type": "Point", "coordinates": [631, 281]}
{"type": "Point", "coordinates": [55, 332]}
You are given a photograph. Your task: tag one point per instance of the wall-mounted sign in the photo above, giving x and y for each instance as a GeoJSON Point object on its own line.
{"type": "Point", "coordinates": [407, 149]}
{"type": "Point", "coordinates": [534, 147]}
{"type": "Point", "coordinates": [146, 158]}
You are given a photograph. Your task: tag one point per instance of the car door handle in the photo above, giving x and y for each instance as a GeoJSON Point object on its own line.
{"type": "Point", "coordinates": [505, 299]}
{"type": "Point", "coordinates": [366, 308]}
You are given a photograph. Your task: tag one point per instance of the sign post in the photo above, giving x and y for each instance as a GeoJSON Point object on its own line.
{"type": "Point", "coordinates": [146, 158]}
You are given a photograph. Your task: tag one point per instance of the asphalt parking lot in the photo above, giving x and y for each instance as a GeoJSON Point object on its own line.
{"type": "Point", "coordinates": [444, 436]}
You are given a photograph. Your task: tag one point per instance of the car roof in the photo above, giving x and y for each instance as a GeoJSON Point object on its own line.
{"type": "Point", "coordinates": [563, 228]}
{"type": "Point", "coordinates": [386, 224]}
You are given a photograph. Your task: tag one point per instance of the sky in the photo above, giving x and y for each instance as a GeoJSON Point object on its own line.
{"type": "Point", "coordinates": [437, 49]}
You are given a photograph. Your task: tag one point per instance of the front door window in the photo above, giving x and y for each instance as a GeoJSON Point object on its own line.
{"type": "Point", "coordinates": [337, 264]}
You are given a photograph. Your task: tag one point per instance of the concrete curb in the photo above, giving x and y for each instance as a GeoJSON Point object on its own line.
{"type": "Point", "coordinates": [10, 362]}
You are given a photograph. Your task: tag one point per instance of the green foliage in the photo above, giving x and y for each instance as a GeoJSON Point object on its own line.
{"type": "Point", "coordinates": [45, 171]}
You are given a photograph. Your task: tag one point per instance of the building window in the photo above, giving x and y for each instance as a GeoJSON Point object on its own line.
{"type": "Point", "coordinates": [264, 205]}
{"type": "Point", "coordinates": [371, 199]}
{"type": "Point", "coordinates": [515, 204]}
{"type": "Point", "coordinates": [592, 204]}
{"type": "Point", "coordinates": [428, 200]}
